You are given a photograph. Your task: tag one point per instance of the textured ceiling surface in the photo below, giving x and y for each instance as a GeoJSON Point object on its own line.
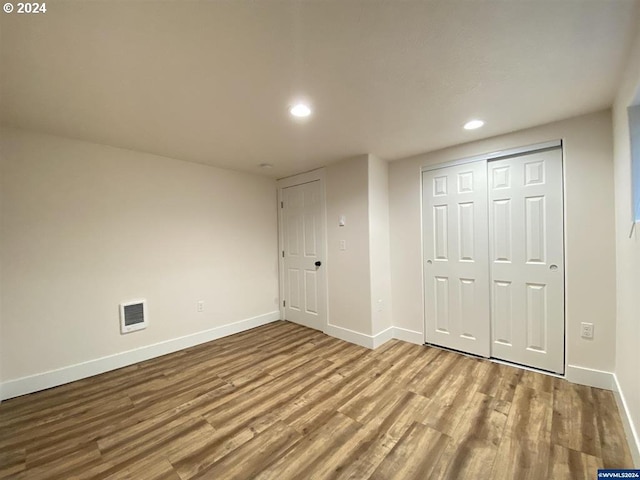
{"type": "Point", "coordinates": [211, 82]}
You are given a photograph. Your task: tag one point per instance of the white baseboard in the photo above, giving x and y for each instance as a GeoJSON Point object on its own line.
{"type": "Point", "coordinates": [350, 336]}
{"type": "Point", "coordinates": [590, 377]}
{"type": "Point", "coordinates": [362, 339]}
{"type": "Point", "coordinates": [410, 336]}
{"type": "Point", "coordinates": [633, 439]}
{"type": "Point", "coordinates": [382, 337]}
{"type": "Point", "coordinates": [53, 378]}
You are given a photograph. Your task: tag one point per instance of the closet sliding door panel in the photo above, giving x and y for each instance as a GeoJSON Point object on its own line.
{"type": "Point", "coordinates": [456, 258]}
{"type": "Point", "coordinates": [527, 259]}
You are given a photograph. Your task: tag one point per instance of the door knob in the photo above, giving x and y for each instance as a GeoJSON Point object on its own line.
{"type": "Point", "coordinates": [429, 262]}
{"type": "Point", "coordinates": [318, 263]}
{"type": "Point", "coordinates": [553, 268]}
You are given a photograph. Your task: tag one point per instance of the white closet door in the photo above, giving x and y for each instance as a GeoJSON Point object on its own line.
{"type": "Point", "coordinates": [456, 258]}
{"type": "Point", "coordinates": [304, 280]}
{"type": "Point", "coordinates": [527, 260]}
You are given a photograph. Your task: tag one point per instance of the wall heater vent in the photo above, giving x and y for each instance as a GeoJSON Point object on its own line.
{"type": "Point", "coordinates": [133, 316]}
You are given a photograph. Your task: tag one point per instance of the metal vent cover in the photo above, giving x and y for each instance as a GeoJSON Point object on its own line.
{"type": "Point", "coordinates": [133, 316]}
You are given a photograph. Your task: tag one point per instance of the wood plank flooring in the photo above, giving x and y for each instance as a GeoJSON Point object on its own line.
{"type": "Point", "coordinates": [286, 402]}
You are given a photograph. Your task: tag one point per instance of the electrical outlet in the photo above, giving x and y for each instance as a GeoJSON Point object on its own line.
{"type": "Point", "coordinates": [586, 330]}
{"type": "Point", "coordinates": [343, 244]}
{"type": "Point", "coordinates": [200, 306]}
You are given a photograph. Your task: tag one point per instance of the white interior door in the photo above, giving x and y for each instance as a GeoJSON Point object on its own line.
{"type": "Point", "coordinates": [456, 258]}
{"type": "Point", "coordinates": [527, 260]}
{"type": "Point", "coordinates": [304, 275]}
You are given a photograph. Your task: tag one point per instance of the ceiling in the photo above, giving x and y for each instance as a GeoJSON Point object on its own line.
{"type": "Point", "coordinates": [211, 82]}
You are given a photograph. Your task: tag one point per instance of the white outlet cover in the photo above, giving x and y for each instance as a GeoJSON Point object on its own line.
{"type": "Point", "coordinates": [586, 330]}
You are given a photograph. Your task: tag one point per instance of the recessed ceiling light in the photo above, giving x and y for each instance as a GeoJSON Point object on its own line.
{"type": "Point", "coordinates": [300, 110]}
{"type": "Point", "coordinates": [473, 124]}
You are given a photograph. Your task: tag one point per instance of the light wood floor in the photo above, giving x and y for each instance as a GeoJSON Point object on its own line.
{"type": "Point", "coordinates": [285, 402]}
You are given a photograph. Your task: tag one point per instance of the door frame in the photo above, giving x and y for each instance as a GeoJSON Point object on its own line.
{"type": "Point", "coordinates": [500, 154]}
{"type": "Point", "coordinates": [292, 181]}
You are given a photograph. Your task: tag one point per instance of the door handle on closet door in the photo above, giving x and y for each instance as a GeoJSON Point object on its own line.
{"type": "Point", "coordinates": [553, 267]}
{"type": "Point", "coordinates": [318, 263]}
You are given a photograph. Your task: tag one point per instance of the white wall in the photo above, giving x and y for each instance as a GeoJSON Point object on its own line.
{"type": "Point", "coordinates": [379, 253]}
{"type": "Point", "coordinates": [359, 277]}
{"type": "Point", "coordinates": [85, 227]}
{"type": "Point", "coordinates": [348, 270]}
{"type": "Point", "coordinates": [1, 267]}
{"type": "Point", "coordinates": [627, 251]}
{"type": "Point", "coordinates": [590, 257]}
